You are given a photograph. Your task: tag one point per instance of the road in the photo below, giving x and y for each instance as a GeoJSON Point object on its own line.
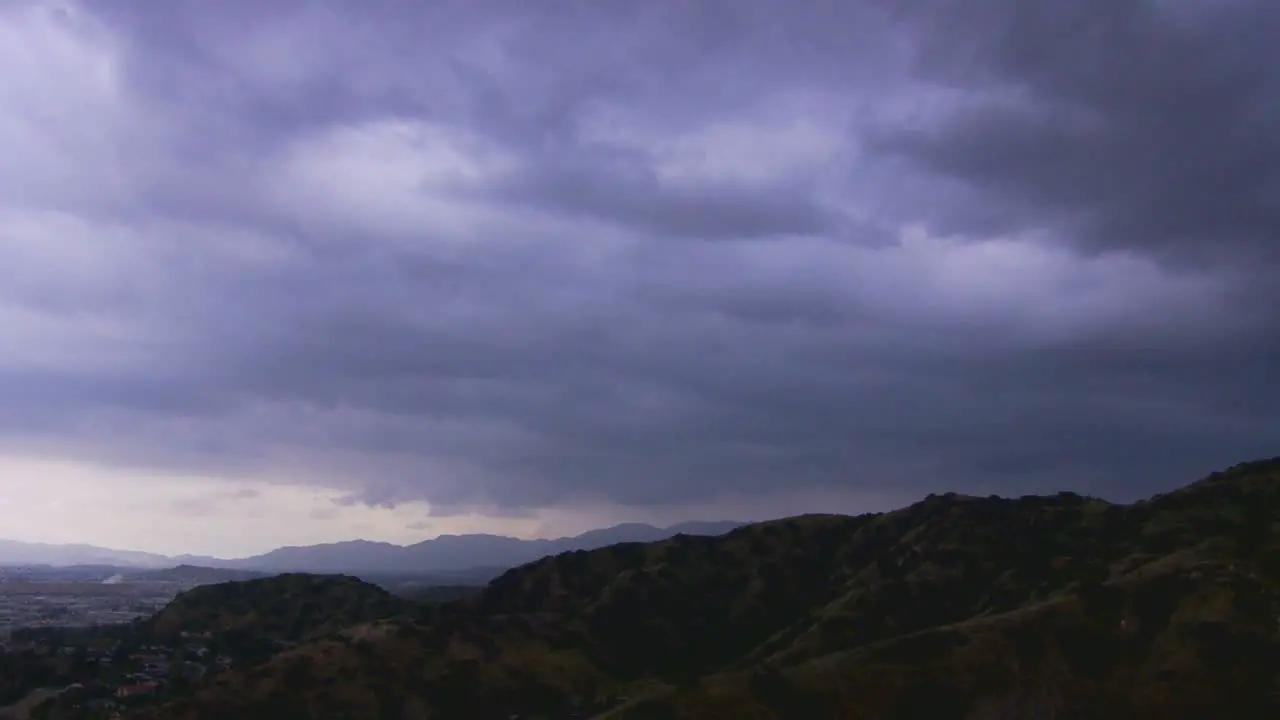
{"type": "Point", "coordinates": [21, 709]}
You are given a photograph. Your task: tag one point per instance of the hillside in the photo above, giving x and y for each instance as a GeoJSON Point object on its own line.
{"type": "Point", "coordinates": [955, 607]}
{"type": "Point", "coordinates": [286, 608]}
{"type": "Point", "coordinates": [440, 593]}
{"type": "Point", "coordinates": [467, 555]}
{"type": "Point", "coordinates": [194, 574]}
{"type": "Point", "coordinates": [15, 553]}
{"type": "Point", "coordinates": [456, 553]}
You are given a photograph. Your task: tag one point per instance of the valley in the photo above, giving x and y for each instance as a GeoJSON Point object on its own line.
{"type": "Point", "coordinates": [961, 607]}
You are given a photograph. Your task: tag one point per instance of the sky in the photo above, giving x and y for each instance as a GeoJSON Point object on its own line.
{"type": "Point", "coordinates": [309, 271]}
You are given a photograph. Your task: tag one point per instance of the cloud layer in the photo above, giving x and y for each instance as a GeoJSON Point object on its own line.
{"type": "Point", "coordinates": [642, 254]}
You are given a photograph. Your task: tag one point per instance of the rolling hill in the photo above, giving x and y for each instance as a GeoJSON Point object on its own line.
{"type": "Point", "coordinates": [473, 555]}
{"type": "Point", "coordinates": [955, 607]}
{"type": "Point", "coordinates": [194, 574]}
{"type": "Point", "coordinates": [455, 552]}
{"type": "Point", "coordinates": [251, 618]}
{"type": "Point", "coordinates": [13, 552]}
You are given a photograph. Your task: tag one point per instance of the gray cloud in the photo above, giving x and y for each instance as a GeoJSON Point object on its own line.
{"type": "Point", "coordinates": [653, 255]}
{"type": "Point", "coordinates": [624, 193]}
{"type": "Point", "coordinates": [1135, 125]}
{"type": "Point", "coordinates": [328, 514]}
{"type": "Point", "coordinates": [212, 503]}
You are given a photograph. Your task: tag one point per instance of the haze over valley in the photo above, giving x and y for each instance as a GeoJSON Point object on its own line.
{"type": "Point", "coordinates": [445, 553]}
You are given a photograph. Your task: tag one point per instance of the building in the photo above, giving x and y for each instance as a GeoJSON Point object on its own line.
{"type": "Point", "coordinates": [193, 671]}
{"type": "Point", "coordinates": [139, 690]}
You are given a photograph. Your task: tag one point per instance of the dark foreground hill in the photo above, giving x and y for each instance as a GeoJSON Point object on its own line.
{"type": "Point", "coordinates": [289, 608]}
{"type": "Point", "coordinates": [955, 607]}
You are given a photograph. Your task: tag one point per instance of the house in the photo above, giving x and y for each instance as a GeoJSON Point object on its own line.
{"type": "Point", "coordinates": [139, 690]}
{"type": "Point", "coordinates": [103, 645]}
{"type": "Point", "coordinates": [193, 671]}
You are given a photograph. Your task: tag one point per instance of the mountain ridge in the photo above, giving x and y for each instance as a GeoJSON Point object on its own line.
{"type": "Point", "coordinates": [953, 608]}
{"type": "Point", "coordinates": [18, 553]}
{"type": "Point", "coordinates": [444, 553]}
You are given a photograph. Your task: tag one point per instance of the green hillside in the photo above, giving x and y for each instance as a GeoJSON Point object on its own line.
{"type": "Point", "coordinates": [291, 607]}
{"type": "Point", "coordinates": [954, 607]}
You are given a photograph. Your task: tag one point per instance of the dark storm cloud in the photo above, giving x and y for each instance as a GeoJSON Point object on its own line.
{"type": "Point", "coordinates": [1145, 125]}
{"type": "Point", "coordinates": [213, 503]}
{"type": "Point", "coordinates": [443, 254]}
{"type": "Point", "coordinates": [635, 198]}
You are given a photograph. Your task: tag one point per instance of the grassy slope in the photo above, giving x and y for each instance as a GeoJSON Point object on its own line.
{"type": "Point", "coordinates": [954, 607]}
{"type": "Point", "coordinates": [285, 607]}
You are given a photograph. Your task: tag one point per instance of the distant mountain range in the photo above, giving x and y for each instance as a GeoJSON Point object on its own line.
{"type": "Point", "coordinates": [983, 608]}
{"type": "Point", "coordinates": [193, 575]}
{"type": "Point", "coordinates": [14, 553]}
{"type": "Point", "coordinates": [447, 553]}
